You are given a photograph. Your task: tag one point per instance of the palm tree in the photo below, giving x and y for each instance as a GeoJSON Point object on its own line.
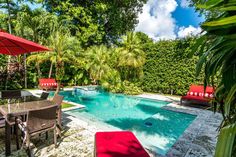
{"type": "Point", "coordinates": [37, 58]}
{"type": "Point", "coordinates": [36, 25]}
{"type": "Point", "coordinates": [64, 50]}
{"type": "Point", "coordinates": [131, 56]}
{"type": "Point", "coordinates": [98, 62]}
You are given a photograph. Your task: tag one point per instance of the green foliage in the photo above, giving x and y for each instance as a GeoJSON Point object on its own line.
{"type": "Point", "coordinates": [35, 25]}
{"type": "Point", "coordinates": [168, 68]}
{"type": "Point", "coordinates": [89, 23]}
{"type": "Point", "coordinates": [62, 45]}
{"type": "Point", "coordinates": [125, 87]}
{"type": "Point", "coordinates": [131, 57]}
{"type": "Point", "coordinates": [131, 89]}
{"type": "Point", "coordinates": [97, 22]}
{"type": "Point", "coordinates": [110, 66]}
{"type": "Point", "coordinates": [3, 19]}
{"type": "Point", "coordinates": [98, 58]}
{"type": "Point", "coordinates": [219, 57]}
{"type": "Point", "coordinates": [15, 73]}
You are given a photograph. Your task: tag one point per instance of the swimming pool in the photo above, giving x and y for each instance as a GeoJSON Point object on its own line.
{"type": "Point", "coordinates": [155, 127]}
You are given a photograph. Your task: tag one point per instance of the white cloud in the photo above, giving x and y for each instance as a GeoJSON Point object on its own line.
{"type": "Point", "coordinates": [156, 19]}
{"type": "Point", "coordinates": [184, 3]}
{"type": "Point", "coordinates": [187, 31]}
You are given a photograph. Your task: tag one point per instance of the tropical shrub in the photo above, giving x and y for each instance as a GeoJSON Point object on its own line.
{"type": "Point", "coordinates": [13, 72]}
{"type": "Point", "coordinates": [131, 57]}
{"type": "Point", "coordinates": [131, 89]}
{"type": "Point", "coordinates": [219, 57]}
{"type": "Point", "coordinates": [168, 68]}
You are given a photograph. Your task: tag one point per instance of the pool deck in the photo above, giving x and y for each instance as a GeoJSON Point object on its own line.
{"type": "Point", "coordinates": [198, 140]}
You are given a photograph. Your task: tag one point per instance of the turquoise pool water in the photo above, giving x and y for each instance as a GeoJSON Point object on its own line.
{"type": "Point", "coordinates": [156, 128]}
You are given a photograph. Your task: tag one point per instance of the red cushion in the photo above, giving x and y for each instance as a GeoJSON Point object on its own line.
{"type": "Point", "coordinates": [196, 88]}
{"type": "Point", "coordinates": [118, 144]}
{"type": "Point", "coordinates": [198, 98]}
{"type": "Point", "coordinates": [47, 82]}
{"type": "Point", "coordinates": [200, 89]}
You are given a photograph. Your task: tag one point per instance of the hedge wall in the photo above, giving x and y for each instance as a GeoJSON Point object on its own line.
{"type": "Point", "coordinates": [168, 68]}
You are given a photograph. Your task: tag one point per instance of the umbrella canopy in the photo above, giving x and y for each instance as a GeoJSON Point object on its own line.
{"type": "Point", "coordinates": [13, 45]}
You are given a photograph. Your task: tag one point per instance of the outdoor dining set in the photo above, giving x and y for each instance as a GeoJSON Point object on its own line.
{"type": "Point", "coordinates": [30, 115]}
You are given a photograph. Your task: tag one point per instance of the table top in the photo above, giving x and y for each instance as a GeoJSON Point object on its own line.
{"type": "Point", "coordinates": [19, 99]}
{"type": "Point", "coordinates": [20, 108]}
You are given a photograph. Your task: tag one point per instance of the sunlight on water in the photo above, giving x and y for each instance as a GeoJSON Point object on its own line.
{"type": "Point", "coordinates": [156, 128]}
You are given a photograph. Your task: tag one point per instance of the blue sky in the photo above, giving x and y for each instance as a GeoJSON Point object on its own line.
{"type": "Point", "coordinates": [168, 19]}
{"type": "Point", "coordinates": [186, 16]}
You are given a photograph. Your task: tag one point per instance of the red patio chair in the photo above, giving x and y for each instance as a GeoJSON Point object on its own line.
{"type": "Point", "coordinates": [118, 144]}
{"type": "Point", "coordinates": [196, 93]}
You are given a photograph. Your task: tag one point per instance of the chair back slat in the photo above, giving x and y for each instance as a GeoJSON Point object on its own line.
{"type": "Point", "coordinates": [57, 99]}
{"type": "Point", "coordinates": [41, 119]}
{"type": "Point", "coordinates": [44, 95]}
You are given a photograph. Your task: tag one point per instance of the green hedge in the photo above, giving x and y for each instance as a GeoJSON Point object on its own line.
{"type": "Point", "coordinates": [168, 68]}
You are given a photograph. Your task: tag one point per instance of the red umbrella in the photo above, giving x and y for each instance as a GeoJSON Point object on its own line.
{"type": "Point", "coordinates": [13, 45]}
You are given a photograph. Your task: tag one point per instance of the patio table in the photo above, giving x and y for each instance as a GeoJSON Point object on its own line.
{"type": "Point", "coordinates": [10, 111]}
{"type": "Point", "coordinates": [19, 99]}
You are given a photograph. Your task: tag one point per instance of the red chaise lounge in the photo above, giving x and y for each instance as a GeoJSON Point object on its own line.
{"type": "Point", "coordinates": [118, 144]}
{"type": "Point", "coordinates": [48, 84]}
{"type": "Point", "coordinates": [196, 93]}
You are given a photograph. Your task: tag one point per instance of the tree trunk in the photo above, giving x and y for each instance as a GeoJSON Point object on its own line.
{"type": "Point", "coordinates": [8, 69]}
{"type": "Point", "coordinates": [9, 16]}
{"type": "Point", "coordinates": [9, 29]}
{"type": "Point", "coordinates": [58, 86]}
{"type": "Point", "coordinates": [38, 69]}
{"type": "Point", "coordinates": [50, 71]}
{"type": "Point", "coordinates": [25, 68]}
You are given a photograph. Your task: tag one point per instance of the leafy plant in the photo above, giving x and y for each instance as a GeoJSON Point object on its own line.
{"type": "Point", "coordinates": [131, 57]}
{"type": "Point", "coordinates": [131, 88]}
{"type": "Point", "coordinates": [97, 61]}
{"type": "Point", "coordinates": [219, 58]}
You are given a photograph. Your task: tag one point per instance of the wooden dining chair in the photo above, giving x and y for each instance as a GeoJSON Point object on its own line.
{"type": "Point", "coordinates": [44, 95]}
{"type": "Point", "coordinates": [57, 99]}
{"type": "Point", "coordinates": [38, 121]}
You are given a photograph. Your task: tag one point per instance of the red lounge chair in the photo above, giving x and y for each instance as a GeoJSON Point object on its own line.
{"type": "Point", "coordinates": [196, 93]}
{"type": "Point", "coordinates": [118, 144]}
{"type": "Point", "coordinates": [48, 83]}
